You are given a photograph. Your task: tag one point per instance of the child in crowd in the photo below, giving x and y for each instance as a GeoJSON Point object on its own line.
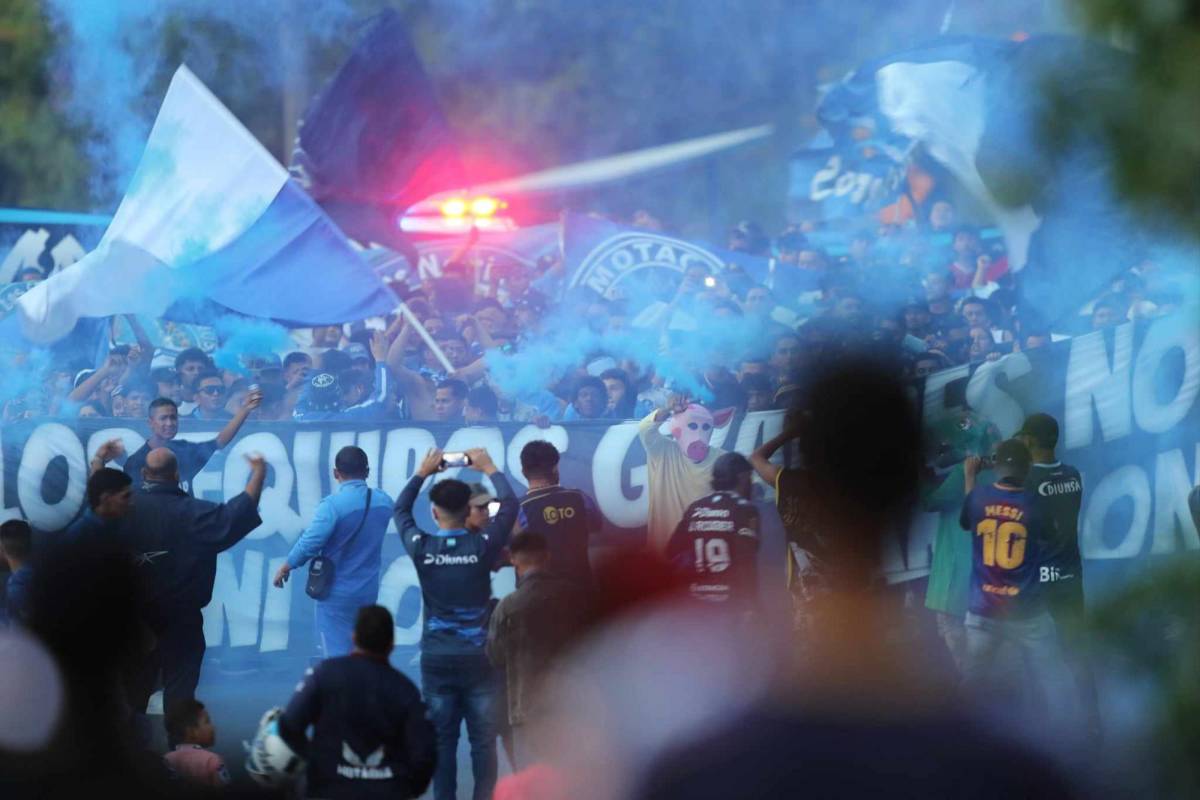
{"type": "Point", "coordinates": [191, 729]}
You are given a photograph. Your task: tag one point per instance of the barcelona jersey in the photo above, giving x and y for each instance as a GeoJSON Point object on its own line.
{"type": "Point", "coordinates": [1008, 537]}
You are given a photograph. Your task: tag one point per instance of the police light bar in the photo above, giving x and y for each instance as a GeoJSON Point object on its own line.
{"type": "Point", "coordinates": [457, 214]}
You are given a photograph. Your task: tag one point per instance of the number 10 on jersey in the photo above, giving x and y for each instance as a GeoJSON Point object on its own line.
{"type": "Point", "coordinates": [1003, 543]}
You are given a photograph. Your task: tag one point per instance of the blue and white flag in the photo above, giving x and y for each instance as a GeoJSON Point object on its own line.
{"type": "Point", "coordinates": [843, 182]}
{"type": "Point", "coordinates": [613, 261]}
{"type": "Point", "coordinates": [982, 109]}
{"type": "Point", "coordinates": [210, 215]}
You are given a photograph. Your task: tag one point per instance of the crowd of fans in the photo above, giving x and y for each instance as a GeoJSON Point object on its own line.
{"type": "Point", "coordinates": [935, 295]}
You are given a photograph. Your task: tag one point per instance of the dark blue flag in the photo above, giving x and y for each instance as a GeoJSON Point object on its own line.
{"type": "Point", "coordinates": [375, 141]}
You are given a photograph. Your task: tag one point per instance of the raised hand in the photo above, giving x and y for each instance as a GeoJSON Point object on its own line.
{"type": "Point", "coordinates": [431, 464]}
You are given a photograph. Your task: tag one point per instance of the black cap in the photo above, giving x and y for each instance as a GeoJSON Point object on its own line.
{"type": "Point", "coordinates": [1012, 453]}
{"type": "Point", "coordinates": [727, 469]}
{"type": "Point", "coordinates": [1042, 428]}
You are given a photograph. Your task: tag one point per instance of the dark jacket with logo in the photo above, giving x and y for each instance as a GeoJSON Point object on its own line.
{"type": "Point", "coordinates": [529, 629]}
{"type": "Point", "coordinates": [176, 538]}
{"type": "Point", "coordinates": [455, 570]}
{"type": "Point", "coordinates": [566, 517]}
{"type": "Point", "coordinates": [370, 738]}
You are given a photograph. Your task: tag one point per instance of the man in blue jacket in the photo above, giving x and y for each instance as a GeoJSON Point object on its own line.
{"type": "Point", "coordinates": [454, 567]}
{"type": "Point", "coordinates": [175, 539]}
{"type": "Point", "coordinates": [347, 528]}
{"type": "Point", "coordinates": [370, 735]}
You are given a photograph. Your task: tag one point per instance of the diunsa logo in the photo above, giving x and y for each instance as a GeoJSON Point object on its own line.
{"type": "Point", "coordinates": [625, 253]}
{"type": "Point", "coordinates": [1052, 488]}
{"type": "Point", "coordinates": [443, 560]}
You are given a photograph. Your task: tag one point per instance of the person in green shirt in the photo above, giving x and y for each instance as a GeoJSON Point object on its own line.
{"type": "Point", "coordinates": [952, 437]}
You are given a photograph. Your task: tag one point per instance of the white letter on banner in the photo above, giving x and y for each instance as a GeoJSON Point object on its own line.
{"type": "Point", "coordinates": [556, 435]}
{"type": "Point", "coordinates": [991, 401]}
{"type": "Point", "coordinates": [489, 439]}
{"type": "Point", "coordinates": [44, 444]}
{"type": "Point", "coordinates": [277, 612]}
{"type": "Point", "coordinates": [275, 506]}
{"type": "Point", "coordinates": [398, 581]}
{"type": "Point", "coordinates": [306, 460]}
{"type": "Point", "coordinates": [237, 602]}
{"type": "Point", "coordinates": [402, 455]}
{"type": "Point", "coordinates": [1089, 379]}
{"type": "Point", "coordinates": [1171, 487]}
{"type": "Point", "coordinates": [608, 464]}
{"type": "Point", "coordinates": [1128, 481]}
{"type": "Point", "coordinates": [816, 190]}
{"type": "Point", "coordinates": [337, 441]}
{"type": "Point", "coordinates": [1163, 337]}
{"type": "Point", "coordinates": [368, 442]}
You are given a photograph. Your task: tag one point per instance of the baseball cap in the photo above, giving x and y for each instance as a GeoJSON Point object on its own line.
{"type": "Point", "coordinates": [162, 359]}
{"type": "Point", "coordinates": [265, 362]}
{"type": "Point", "coordinates": [1042, 428]}
{"type": "Point", "coordinates": [1012, 452]}
{"type": "Point", "coordinates": [357, 352]}
{"type": "Point", "coordinates": [480, 495]}
{"type": "Point", "coordinates": [324, 392]}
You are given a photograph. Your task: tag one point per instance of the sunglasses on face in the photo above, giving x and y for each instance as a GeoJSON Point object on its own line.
{"type": "Point", "coordinates": [213, 390]}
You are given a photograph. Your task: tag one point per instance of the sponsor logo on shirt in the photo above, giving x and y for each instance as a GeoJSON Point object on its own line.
{"type": "Point", "coordinates": [552, 515]}
{"type": "Point", "coordinates": [720, 513]}
{"type": "Point", "coordinates": [1053, 575]}
{"type": "Point", "coordinates": [710, 525]}
{"type": "Point", "coordinates": [1052, 488]}
{"type": "Point", "coordinates": [358, 768]}
{"type": "Point", "coordinates": [443, 560]}
{"type": "Point", "coordinates": [143, 559]}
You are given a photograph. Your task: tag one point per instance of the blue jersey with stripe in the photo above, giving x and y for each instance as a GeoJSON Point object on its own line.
{"type": "Point", "coordinates": [1009, 537]}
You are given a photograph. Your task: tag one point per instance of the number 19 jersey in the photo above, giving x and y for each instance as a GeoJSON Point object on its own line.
{"type": "Point", "coordinates": [1009, 537]}
{"type": "Point", "coordinates": [716, 546]}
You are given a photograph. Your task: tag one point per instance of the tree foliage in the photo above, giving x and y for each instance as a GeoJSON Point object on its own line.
{"type": "Point", "coordinates": [1151, 124]}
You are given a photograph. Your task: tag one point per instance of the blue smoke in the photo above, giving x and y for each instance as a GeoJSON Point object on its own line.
{"type": "Point", "coordinates": [116, 57]}
{"type": "Point", "coordinates": [242, 338]}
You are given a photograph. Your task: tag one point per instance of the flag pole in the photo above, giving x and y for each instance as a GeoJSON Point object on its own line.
{"type": "Point", "coordinates": [408, 315]}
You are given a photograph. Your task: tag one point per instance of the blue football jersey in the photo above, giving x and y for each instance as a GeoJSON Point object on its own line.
{"type": "Point", "coordinates": [1009, 537]}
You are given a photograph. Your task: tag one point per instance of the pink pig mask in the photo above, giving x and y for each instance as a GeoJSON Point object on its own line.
{"type": "Point", "coordinates": [693, 427]}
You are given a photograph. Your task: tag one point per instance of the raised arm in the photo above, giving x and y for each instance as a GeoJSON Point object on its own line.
{"type": "Point", "coordinates": [760, 459]}
{"type": "Point", "coordinates": [252, 401]}
{"type": "Point", "coordinates": [971, 467]}
{"type": "Point", "coordinates": [114, 364]}
{"type": "Point", "coordinates": [403, 512]}
{"type": "Point", "coordinates": [112, 449]}
{"type": "Point", "coordinates": [499, 529]}
{"type": "Point", "coordinates": [223, 526]}
{"type": "Point", "coordinates": [648, 427]}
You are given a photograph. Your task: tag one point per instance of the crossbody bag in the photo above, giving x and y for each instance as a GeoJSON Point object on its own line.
{"type": "Point", "coordinates": [322, 570]}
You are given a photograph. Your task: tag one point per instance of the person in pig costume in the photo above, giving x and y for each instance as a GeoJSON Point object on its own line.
{"type": "Point", "coordinates": [679, 466]}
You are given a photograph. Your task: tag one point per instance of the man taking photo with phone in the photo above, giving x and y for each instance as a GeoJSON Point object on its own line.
{"type": "Point", "coordinates": [454, 567]}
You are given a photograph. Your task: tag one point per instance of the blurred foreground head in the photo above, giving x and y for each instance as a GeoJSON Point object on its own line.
{"type": "Point", "coordinates": [859, 438]}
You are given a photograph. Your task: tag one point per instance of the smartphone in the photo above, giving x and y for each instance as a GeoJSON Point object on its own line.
{"type": "Point", "coordinates": [493, 508]}
{"type": "Point", "coordinates": [120, 350]}
{"type": "Point", "coordinates": [456, 460]}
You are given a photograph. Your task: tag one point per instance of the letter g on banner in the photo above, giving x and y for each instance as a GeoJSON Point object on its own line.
{"type": "Point", "coordinates": [48, 447]}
